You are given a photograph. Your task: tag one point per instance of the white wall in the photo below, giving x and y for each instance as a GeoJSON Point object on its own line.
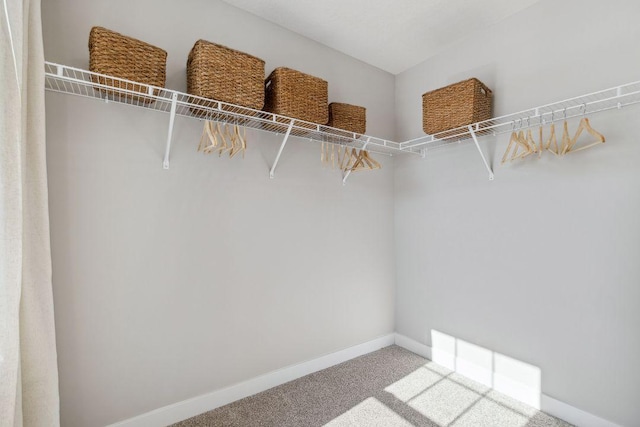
{"type": "Point", "coordinates": [542, 263]}
{"type": "Point", "coordinates": [170, 284]}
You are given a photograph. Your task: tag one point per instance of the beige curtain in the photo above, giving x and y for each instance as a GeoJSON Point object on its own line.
{"type": "Point", "coordinates": [28, 363]}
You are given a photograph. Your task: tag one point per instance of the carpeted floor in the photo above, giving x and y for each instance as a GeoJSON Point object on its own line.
{"type": "Point", "coordinates": [389, 387]}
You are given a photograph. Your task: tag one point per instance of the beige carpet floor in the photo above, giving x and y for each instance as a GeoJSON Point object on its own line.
{"type": "Point", "coordinates": [389, 387]}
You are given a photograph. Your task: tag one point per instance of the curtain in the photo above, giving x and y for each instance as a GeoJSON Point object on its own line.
{"type": "Point", "coordinates": [28, 361]}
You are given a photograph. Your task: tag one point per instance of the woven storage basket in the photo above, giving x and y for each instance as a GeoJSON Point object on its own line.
{"type": "Point", "coordinates": [124, 57]}
{"type": "Point", "coordinates": [218, 72]}
{"type": "Point", "coordinates": [294, 94]}
{"type": "Point", "coordinates": [348, 117]}
{"type": "Point", "coordinates": [456, 105]}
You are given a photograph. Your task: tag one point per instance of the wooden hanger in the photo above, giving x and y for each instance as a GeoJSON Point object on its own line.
{"type": "Point", "coordinates": [527, 142]}
{"type": "Point", "coordinates": [214, 134]}
{"type": "Point", "coordinates": [512, 140]}
{"type": "Point", "coordinates": [210, 131]}
{"type": "Point", "coordinates": [340, 152]}
{"type": "Point", "coordinates": [365, 159]}
{"type": "Point", "coordinates": [566, 142]}
{"type": "Point", "coordinates": [566, 139]}
{"type": "Point", "coordinates": [519, 144]}
{"type": "Point", "coordinates": [373, 163]}
{"type": "Point", "coordinates": [235, 141]}
{"type": "Point", "coordinates": [328, 155]}
{"type": "Point", "coordinates": [345, 159]}
{"type": "Point", "coordinates": [230, 143]}
{"type": "Point", "coordinates": [358, 163]}
{"type": "Point", "coordinates": [232, 136]}
{"type": "Point", "coordinates": [364, 162]}
{"type": "Point", "coordinates": [524, 142]}
{"type": "Point", "coordinates": [552, 139]}
{"type": "Point", "coordinates": [204, 136]}
{"type": "Point", "coordinates": [541, 141]}
{"type": "Point", "coordinates": [355, 162]}
{"type": "Point", "coordinates": [531, 142]}
{"type": "Point", "coordinates": [585, 125]}
{"type": "Point", "coordinates": [237, 144]}
{"type": "Point", "coordinates": [333, 156]}
{"type": "Point", "coordinates": [228, 139]}
{"type": "Point", "coordinates": [348, 159]}
{"type": "Point", "coordinates": [243, 139]}
{"type": "Point", "coordinates": [222, 143]}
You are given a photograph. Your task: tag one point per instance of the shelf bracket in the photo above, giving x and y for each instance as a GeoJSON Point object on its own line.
{"type": "Point", "coordinates": [284, 142]}
{"type": "Point", "coordinates": [475, 140]}
{"type": "Point", "coordinates": [346, 175]}
{"type": "Point", "coordinates": [172, 117]}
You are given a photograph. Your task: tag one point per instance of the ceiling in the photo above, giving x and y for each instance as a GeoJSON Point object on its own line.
{"type": "Point", "coordinates": [393, 35]}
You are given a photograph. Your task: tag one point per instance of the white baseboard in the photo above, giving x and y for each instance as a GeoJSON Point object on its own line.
{"type": "Point", "coordinates": [413, 346]}
{"type": "Point", "coordinates": [188, 408]}
{"type": "Point", "coordinates": [548, 404]}
{"type": "Point", "coordinates": [572, 414]}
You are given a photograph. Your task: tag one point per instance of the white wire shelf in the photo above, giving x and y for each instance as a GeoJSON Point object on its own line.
{"type": "Point", "coordinates": [608, 99]}
{"type": "Point", "coordinates": [61, 78]}
{"type": "Point", "coordinates": [75, 81]}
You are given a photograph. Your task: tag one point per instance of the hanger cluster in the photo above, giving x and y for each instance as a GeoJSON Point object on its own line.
{"type": "Point", "coordinates": [223, 138]}
{"type": "Point", "coordinates": [347, 159]}
{"type": "Point", "coordinates": [523, 144]}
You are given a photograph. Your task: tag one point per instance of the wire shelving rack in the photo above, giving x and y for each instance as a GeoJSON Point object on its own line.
{"type": "Point", "coordinates": [75, 81]}
{"type": "Point", "coordinates": [64, 79]}
{"type": "Point", "coordinates": [608, 99]}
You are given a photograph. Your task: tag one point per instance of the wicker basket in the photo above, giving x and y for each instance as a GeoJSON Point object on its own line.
{"type": "Point", "coordinates": [348, 117]}
{"type": "Point", "coordinates": [456, 105]}
{"type": "Point", "coordinates": [227, 75]}
{"type": "Point", "coordinates": [294, 94]}
{"type": "Point", "coordinates": [120, 56]}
